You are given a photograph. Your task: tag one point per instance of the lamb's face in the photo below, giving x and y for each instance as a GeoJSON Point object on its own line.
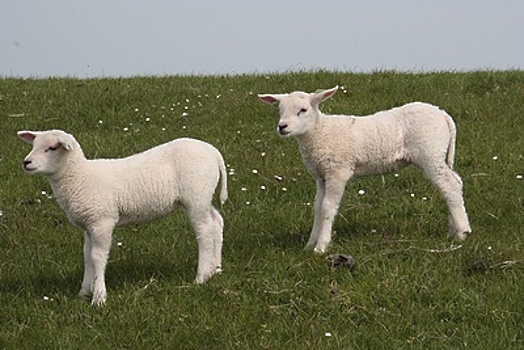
{"type": "Point", "coordinates": [297, 115]}
{"type": "Point", "coordinates": [49, 150]}
{"type": "Point", "coordinates": [298, 111]}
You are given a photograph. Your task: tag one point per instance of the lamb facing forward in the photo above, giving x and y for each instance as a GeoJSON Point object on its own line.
{"type": "Point", "coordinates": [336, 148]}
{"type": "Point", "coordinates": [98, 195]}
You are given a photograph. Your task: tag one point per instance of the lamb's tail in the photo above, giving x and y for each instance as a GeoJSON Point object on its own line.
{"type": "Point", "coordinates": [223, 179]}
{"type": "Point", "coordinates": [452, 141]}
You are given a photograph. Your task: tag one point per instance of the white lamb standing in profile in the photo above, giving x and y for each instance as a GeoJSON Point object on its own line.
{"type": "Point", "coordinates": [336, 148]}
{"type": "Point", "coordinates": [98, 195]}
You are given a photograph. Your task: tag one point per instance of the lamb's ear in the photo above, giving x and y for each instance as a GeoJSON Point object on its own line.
{"type": "Point", "coordinates": [66, 143]}
{"type": "Point", "coordinates": [269, 99]}
{"type": "Point", "coordinates": [27, 136]}
{"type": "Point", "coordinates": [322, 95]}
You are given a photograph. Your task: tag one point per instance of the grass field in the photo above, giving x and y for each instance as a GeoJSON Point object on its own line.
{"type": "Point", "coordinates": [412, 287]}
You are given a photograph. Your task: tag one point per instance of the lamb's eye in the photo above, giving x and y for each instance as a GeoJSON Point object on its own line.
{"type": "Point", "coordinates": [51, 148]}
{"type": "Point", "coordinates": [302, 111]}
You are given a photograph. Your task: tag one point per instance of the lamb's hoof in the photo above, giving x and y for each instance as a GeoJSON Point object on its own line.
{"type": "Point", "coordinates": [318, 250]}
{"type": "Point", "coordinates": [309, 246]}
{"type": "Point", "coordinates": [342, 261]}
{"type": "Point", "coordinates": [84, 293]}
{"type": "Point", "coordinates": [203, 278]}
{"type": "Point", "coordinates": [98, 302]}
{"type": "Point", "coordinates": [461, 235]}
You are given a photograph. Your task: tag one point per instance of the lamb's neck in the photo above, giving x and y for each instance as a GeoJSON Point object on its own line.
{"type": "Point", "coordinates": [68, 178]}
{"type": "Point", "coordinates": [308, 141]}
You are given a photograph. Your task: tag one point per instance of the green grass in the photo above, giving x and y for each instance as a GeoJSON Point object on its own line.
{"type": "Point", "coordinates": [408, 291]}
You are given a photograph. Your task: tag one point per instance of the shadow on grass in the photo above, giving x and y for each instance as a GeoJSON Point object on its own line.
{"type": "Point", "coordinates": [118, 274]}
{"type": "Point", "coordinates": [121, 272]}
{"type": "Point", "coordinates": [288, 240]}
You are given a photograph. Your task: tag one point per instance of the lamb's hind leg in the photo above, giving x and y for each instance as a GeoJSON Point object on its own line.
{"type": "Point", "coordinates": [450, 186]}
{"type": "Point", "coordinates": [218, 237]}
{"type": "Point", "coordinates": [204, 223]}
{"type": "Point", "coordinates": [100, 237]}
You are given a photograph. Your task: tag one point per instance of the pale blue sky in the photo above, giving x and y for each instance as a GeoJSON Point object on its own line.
{"type": "Point", "coordinates": [160, 37]}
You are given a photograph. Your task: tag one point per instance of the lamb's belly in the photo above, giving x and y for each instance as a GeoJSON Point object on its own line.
{"type": "Point", "coordinates": [377, 168]}
{"type": "Point", "coordinates": [145, 213]}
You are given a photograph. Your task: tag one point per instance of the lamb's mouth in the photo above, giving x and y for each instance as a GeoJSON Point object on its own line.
{"type": "Point", "coordinates": [284, 133]}
{"type": "Point", "coordinates": [28, 169]}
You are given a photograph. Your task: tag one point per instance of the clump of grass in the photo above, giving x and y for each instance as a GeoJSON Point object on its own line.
{"type": "Point", "coordinates": [411, 288]}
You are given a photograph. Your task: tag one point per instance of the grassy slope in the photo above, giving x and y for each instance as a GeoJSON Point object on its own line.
{"type": "Point", "coordinates": [271, 294]}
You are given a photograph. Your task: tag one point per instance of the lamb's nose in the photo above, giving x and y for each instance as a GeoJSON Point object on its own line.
{"type": "Point", "coordinates": [282, 127]}
{"type": "Point", "coordinates": [26, 163]}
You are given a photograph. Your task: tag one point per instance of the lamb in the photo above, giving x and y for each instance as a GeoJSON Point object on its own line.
{"type": "Point", "coordinates": [98, 195]}
{"type": "Point", "coordinates": [336, 148]}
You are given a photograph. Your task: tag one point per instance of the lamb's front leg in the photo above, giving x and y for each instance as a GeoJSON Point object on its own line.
{"type": "Point", "coordinates": [100, 237]}
{"type": "Point", "coordinates": [89, 269]}
{"type": "Point", "coordinates": [334, 191]}
{"type": "Point", "coordinates": [315, 231]}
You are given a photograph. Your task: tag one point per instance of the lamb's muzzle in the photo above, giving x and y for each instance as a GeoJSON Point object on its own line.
{"type": "Point", "coordinates": [282, 130]}
{"type": "Point", "coordinates": [26, 165]}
